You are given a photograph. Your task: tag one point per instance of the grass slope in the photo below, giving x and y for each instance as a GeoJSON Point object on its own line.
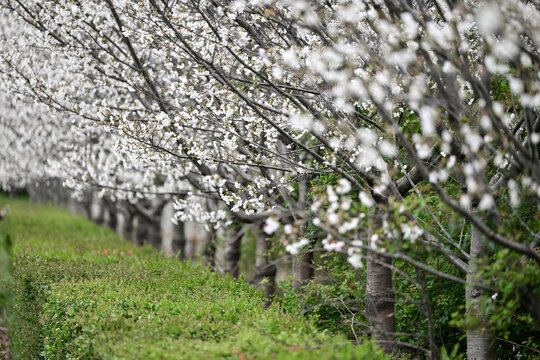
{"type": "Point", "coordinates": [82, 292]}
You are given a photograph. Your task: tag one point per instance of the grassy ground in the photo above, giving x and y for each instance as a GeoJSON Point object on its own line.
{"type": "Point", "coordinates": [82, 292]}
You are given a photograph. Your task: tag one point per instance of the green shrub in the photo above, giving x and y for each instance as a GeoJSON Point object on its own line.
{"type": "Point", "coordinates": [82, 292]}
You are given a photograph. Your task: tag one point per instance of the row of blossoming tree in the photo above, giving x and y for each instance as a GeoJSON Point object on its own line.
{"type": "Point", "coordinates": [403, 135]}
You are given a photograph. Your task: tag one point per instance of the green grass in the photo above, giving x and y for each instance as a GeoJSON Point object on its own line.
{"type": "Point", "coordinates": [82, 292]}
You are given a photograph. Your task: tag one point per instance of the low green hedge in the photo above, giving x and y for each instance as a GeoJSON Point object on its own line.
{"type": "Point", "coordinates": [82, 292]}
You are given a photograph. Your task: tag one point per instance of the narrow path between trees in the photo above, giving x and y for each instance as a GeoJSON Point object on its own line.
{"type": "Point", "coordinates": [83, 292]}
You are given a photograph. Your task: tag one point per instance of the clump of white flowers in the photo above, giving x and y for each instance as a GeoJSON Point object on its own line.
{"type": "Point", "coordinates": [294, 248]}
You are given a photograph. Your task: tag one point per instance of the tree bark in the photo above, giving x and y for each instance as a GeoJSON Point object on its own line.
{"type": "Point", "coordinates": [380, 296]}
{"type": "Point", "coordinates": [98, 212]}
{"type": "Point", "coordinates": [264, 269]}
{"type": "Point", "coordinates": [134, 229]}
{"type": "Point", "coordinates": [479, 338]}
{"type": "Point", "coordinates": [209, 252]}
{"type": "Point", "coordinates": [141, 231]}
{"type": "Point", "coordinates": [193, 235]}
{"type": "Point", "coordinates": [380, 302]}
{"type": "Point", "coordinates": [434, 352]}
{"type": "Point", "coordinates": [303, 267]}
{"type": "Point", "coordinates": [179, 241]}
{"type": "Point", "coordinates": [113, 216]}
{"type": "Point", "coordinates": [233, 253]}
{"type": "Point", "coordinates": [87, 205]}
{"type": "Point", "coordinates": [126, 228]}
{"type": "Point", "coordinates": [149, 222]}
{"type": "Point", "coordinates": [33, 192]}
{"type": "Point", "coordinates": [154, 231]}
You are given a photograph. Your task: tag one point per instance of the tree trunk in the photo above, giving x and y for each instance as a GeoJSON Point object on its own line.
{"type": "Point", "coordinates": [141, 231]}
{"type": "Point", "coordinates": [33, 192]}
{"type": "Point", "coordinates": [434, 352]}
{"type": "Point", "coordinates": [113, 216]}
{"type": "Point", "coordinates": [380, 302]}
{"type": "Point", "coordinates": [105, 220]}
{"type": "Point", "coordinates": [209, 252]}
{"type": "Point", "coordinates": [126, 228]}
{"type": "Point", "coordinates": [303, 267]}
{"type": "Point", "coordinates": [193, 235]}
{"type": "Point", "coordinates": [133, 234]}
{"type": "Point", "coordinates": [179, 241]}
{"type": "Point", "coordinates": [264, 269]}
{"type": "Point", "coordinates": [98, 211]}
{"type": "Point", "coordinates": [380, 296]}
{"type": "Point", "coordinates": [154, 231]}
{"type": "Point", "coordinates": [87, 205]}
{"type": "Point", "coordinates": [479, 338]}
{"type": "Point", "coordinates": [232, 251]}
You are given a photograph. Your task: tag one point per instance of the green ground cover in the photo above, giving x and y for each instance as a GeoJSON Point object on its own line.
{"type": "Point", "coordinates": [82, 292]}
